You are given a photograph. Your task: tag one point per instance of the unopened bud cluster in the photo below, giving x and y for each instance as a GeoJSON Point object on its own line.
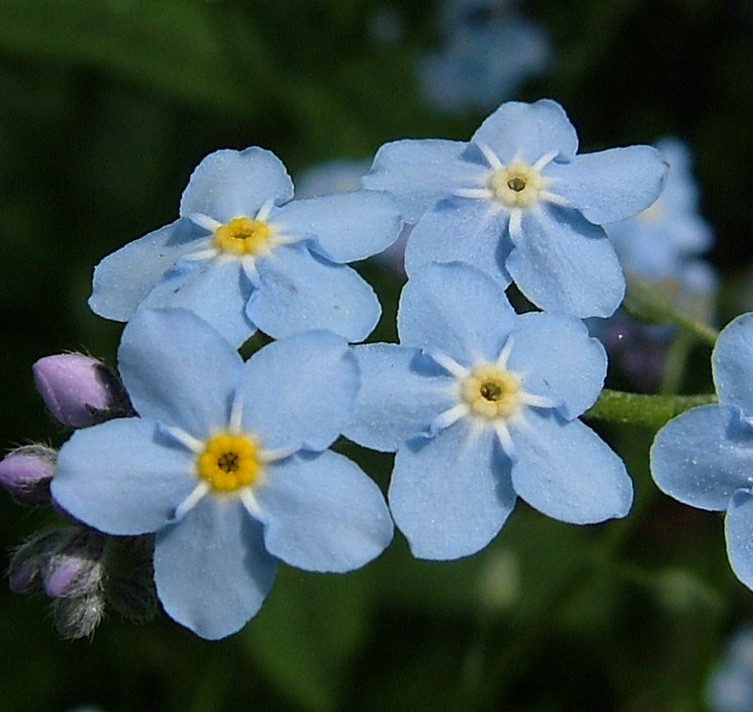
{"type": "Point", "coordinates": [80, 569]}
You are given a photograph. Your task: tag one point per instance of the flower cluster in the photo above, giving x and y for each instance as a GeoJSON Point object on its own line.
{"type": "Point", "coordinates": [225, 467]}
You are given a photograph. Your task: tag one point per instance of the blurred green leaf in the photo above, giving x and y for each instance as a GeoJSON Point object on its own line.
{"type": "Point", "coordinates": [174, 46]}
{"type": "Point", "coordinates": [307, 633]}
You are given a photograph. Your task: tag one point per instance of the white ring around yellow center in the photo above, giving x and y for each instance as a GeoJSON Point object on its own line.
{"type": "Point", "coordinates": [491, 392]}
{"type": "Point", "coordinates": [243, 236]}
{"type": "Point", "coordinates": [516, 185]}
{"type": "Point", "coordinates": [229, 462]}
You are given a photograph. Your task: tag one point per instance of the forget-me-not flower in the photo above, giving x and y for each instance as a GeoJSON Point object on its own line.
{"type": "Point", "coordinates": [488, 50]}
{"type": "Point", "coordinates": [228, 464]}
{"type": "Point", "coordinates": [730, 687]}
{"type": "Point", "coordinates": [518, 202]}
{"type": "Point", "coordinates": [661, 240]}
{"type": "Point", "coordinates": [481, 406]}
{"type": "Point", "coordinates": [704, 457]}
{"type": "Point", "coordinates": [243, 256]}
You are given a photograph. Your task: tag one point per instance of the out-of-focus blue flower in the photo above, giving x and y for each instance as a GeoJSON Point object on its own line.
{"type": "Point", "coordinates": [517, 202]}
{"type": "Point", "coordinates": [228, 464]}
{"type": "Point", "coordinates": [660, 241]}
{"type": "Point", "coordinates": [337, 176]}
{"type": "Point", "coordinates": [481, 406]}
{"type": "Point", "coordinates": [704, 457]}
{"type": "Point", "coordinates": [243, 256]}
{"type": "Point", "coordinates": [488, 50]}
{"type": "Point", "coordinates": [730, 688]}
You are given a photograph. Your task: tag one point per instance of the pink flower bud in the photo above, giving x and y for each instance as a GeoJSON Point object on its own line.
{"type": "Point", "coordinates": [26, 473]}
{"type": "Point", "coordinates": [74, 387]}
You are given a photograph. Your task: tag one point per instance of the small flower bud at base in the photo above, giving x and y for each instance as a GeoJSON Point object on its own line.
{"type": "Point", "coordinates": [27, 471]}
{"type": "Point", "coordinates": [78, 390]}
{"type": "Point", "coordinates": [77, 617]}
{"type": "Point", "coordinates": [76, 569]}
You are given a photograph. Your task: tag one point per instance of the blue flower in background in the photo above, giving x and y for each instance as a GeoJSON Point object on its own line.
{"type": "Point", "coordinates": [517, 202]}
{"type": "Point", "coordinates": [243, 257]}
{"type": "Point", "coordinates": [730, 688]}
{"type": "Point", "coordinates": [662, 241]}
{"type": "Point", "coordinates": [336, 176]}
{"type": "Point", "coordinates": [481, 406]}
{"type": "Point", "coordinates": [488, 51]}
{"type": "Point", "coordinates": [704, 457]}
{"type": "Point", "coordinates": [228, 464]}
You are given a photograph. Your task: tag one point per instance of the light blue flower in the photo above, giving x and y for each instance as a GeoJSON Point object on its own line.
{"type": "Point", "coordinates": [704, 457]}
{"type": "Point", "coordinates": [228, 464]}
{"type": "Point", "coordinates": [730, 688]}
{"type": "Point", "coordinates": [337, 176]}
{"type": "Point", "coordinates": [481, 406]}
{"type": "Point", "coordinates": [663, 239]}
{"type": "Point", "coordinates": [243, 257]}
{"type": "Point", "coordinates": [488, 51]}
{"type": "Point", "coordinates": [517, 202]}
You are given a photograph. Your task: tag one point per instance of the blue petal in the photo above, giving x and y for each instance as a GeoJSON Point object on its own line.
{"type": "Point", "coordinates": [299, 391]}
{"type": "Point", "coordinates": [420, 172]}
{"type": "Point", "coordinates": [738, 529]}
{"type": "Point", "coordinates": [178, 370]}
{"type": "Point", "coordinates": [732, 364]}
{"type": "Point", "coordinates": [702, 456]}
{"type": "Point", "coordinates": [563, 263]}
{"type": "Point", "coordinates": [455, 309]}
{"type": "Point", "coordinates": [346, 226]}
{"type": "Point", "coordinates": [322, 513]}
{"type": "Point", "coordinates": [123, 279]}
{"type": "Point", "coordinates": [299, 291]}
{"type": "Point", "coordinates": [217, 290]}
{"type": "Point", "coordinates": [461, 230]}
{"type": "Point", "coordinates": [558, 360]}
{"type": "Point", "coordinates": [401, 394]}
{"type": "Point", "coordinates": [123, 476]}
{"type": "Point", "coordinates": [228, 184]}
{"type": "Point", "coordinates": [211, 569]}
{"type": "Point", "coordinates": [451, 495]}
{"type": "Point", "coordinates": [567, 472]}
{"type": "Point", "coordinates": [612, 185]}
{"type": "Point", "coordinates": [526, 132]}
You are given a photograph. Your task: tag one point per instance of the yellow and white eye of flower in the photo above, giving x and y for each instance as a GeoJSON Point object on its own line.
{"type": "Point", "coordinates": [488, 394]}
{"type": "Point", "coordinates": [241, 238]}
{"type": "Point", "coordinates": [514, 187]}
{"type": "Point", "coordinates": [229, 462]}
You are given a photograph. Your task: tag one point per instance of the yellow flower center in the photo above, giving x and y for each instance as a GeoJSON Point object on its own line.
{"type": "Point", "coordinates": [516, 185]}
{"type": "Point", "coordinates": [243, 236]}
{"type": "Point", "coordinates": [229, 462]}
{"type": "Point", "coordinates": [491, 392]}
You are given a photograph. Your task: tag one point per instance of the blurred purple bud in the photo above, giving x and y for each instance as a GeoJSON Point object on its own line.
{"type": "Point", "coordinates": [76, 569]}
{"type": "Point", "coordinates": [27, 562]}
{"type": "Point", "coordinates": [26, 473]}
{"type": "Point", "coordinates": [78, 616]}
{"type": "Point", "coordinates": [79, 390]}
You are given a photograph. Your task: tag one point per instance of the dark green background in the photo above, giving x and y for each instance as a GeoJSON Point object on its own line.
{"type": "Point", "coordinates": [105, 108]}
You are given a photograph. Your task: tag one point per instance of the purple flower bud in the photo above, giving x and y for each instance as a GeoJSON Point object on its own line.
{"type": "Point", "coordinates": [76, 569]}
{"type": "Point", "coordinates": [78, 616]}
{"type": "Point", "coordinates": [79, 390]}
{"type": "Point", "coordinates": [26, 473]}
{"type": "Point", "coordinates": [30, 558]}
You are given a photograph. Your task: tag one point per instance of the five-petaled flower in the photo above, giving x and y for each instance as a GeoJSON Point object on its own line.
{"type": "Point", "coordinates": [704, 457]}
{"type": "Point", "coordinates": [229, 464]}
{"type": "Point", "coordinates": [517, 202]}
{"type": "Point", "coordinates": [481, 406]}
{"type": "Point", "coordinates": [244, 256]}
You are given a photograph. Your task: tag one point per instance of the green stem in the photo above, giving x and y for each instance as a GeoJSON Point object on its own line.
{"type": "Point", "coordinates": [651, 301]}
{"type": "Point", "coordinates": [642, 409]}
